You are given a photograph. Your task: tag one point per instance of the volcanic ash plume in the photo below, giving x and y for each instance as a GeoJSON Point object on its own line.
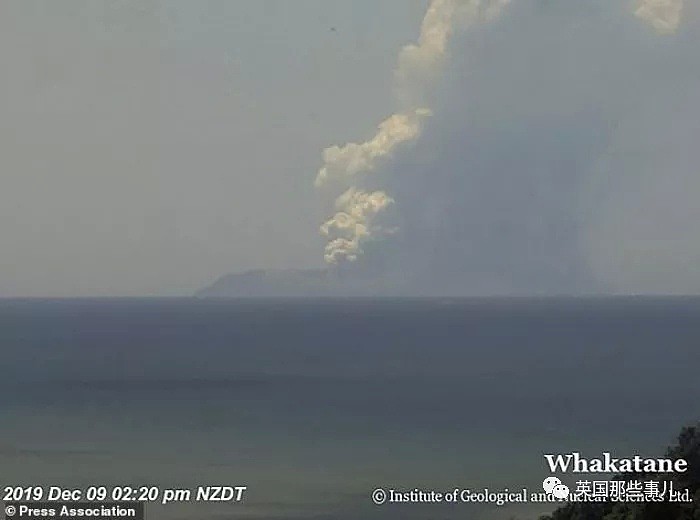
{"type": "Point", "coordinates": [352, 223]}
{"type": "Point", "coordinates": [663, 15]}
{"type": "Point", "coordinates": [418, 66]}
{"type": "Point", "coordinates": [352, 159]}
{"type": "Point", "coordinates": [420, 63]}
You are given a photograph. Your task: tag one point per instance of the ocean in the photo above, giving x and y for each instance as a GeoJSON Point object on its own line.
{"type": "Point", "coordinates": [313, 404]}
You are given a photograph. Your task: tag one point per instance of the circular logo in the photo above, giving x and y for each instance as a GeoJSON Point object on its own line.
{"type": "Point", "coordinates": [550, 483]}
{"type": "Point", "coordinates": [560, 491]}
{"type": "Point", "coordinates": [379, 496]}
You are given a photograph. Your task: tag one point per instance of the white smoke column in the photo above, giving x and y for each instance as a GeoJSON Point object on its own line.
{"type": "Point", "coordinates": [418, 66]}
{"type": "Point", "coordinates": [420, 63]}
{"type": "Point", "coordinates": [353, 222]}
{"type": "Point", "coordinates": [663, 15]}
{"type": "Point", "coordinates": [352, 159]}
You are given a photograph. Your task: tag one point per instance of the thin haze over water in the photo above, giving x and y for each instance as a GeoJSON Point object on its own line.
{"type": "Point", "coordinates": [314, 404]}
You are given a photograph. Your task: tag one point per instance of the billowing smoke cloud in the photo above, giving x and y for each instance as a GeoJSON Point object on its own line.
{"type": "Point", "coordinates": [344, 163]}
{"type": "Point", "coordinates": [663, 15]}
{"type": "Point", "coordinates": [558, 156]}
{"type": "Point", "coordinates": [420, 63]}
{"type": "Point", "coordinates": [418, 66]}
{"type": "Point", "coordinates": [353, 223]}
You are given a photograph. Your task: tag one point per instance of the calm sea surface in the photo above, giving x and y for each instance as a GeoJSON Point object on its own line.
{"type": "Point", "coordinates": [313, 404]}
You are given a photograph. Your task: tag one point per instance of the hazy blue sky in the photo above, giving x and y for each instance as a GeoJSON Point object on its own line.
{"type": "Point", "coordinates": [149, 147]}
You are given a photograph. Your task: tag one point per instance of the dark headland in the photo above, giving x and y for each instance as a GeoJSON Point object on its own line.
{"type": "Point", "coordinates": [262, 283]}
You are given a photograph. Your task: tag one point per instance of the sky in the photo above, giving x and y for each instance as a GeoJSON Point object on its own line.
{"type": "Point", "coordinates": [535, 146]}
{"type": "Point", "coordinates": [148, 148]}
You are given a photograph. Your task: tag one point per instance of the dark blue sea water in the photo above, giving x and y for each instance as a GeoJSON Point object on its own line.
{"type": "Point", "coordinates": [313, 404]}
